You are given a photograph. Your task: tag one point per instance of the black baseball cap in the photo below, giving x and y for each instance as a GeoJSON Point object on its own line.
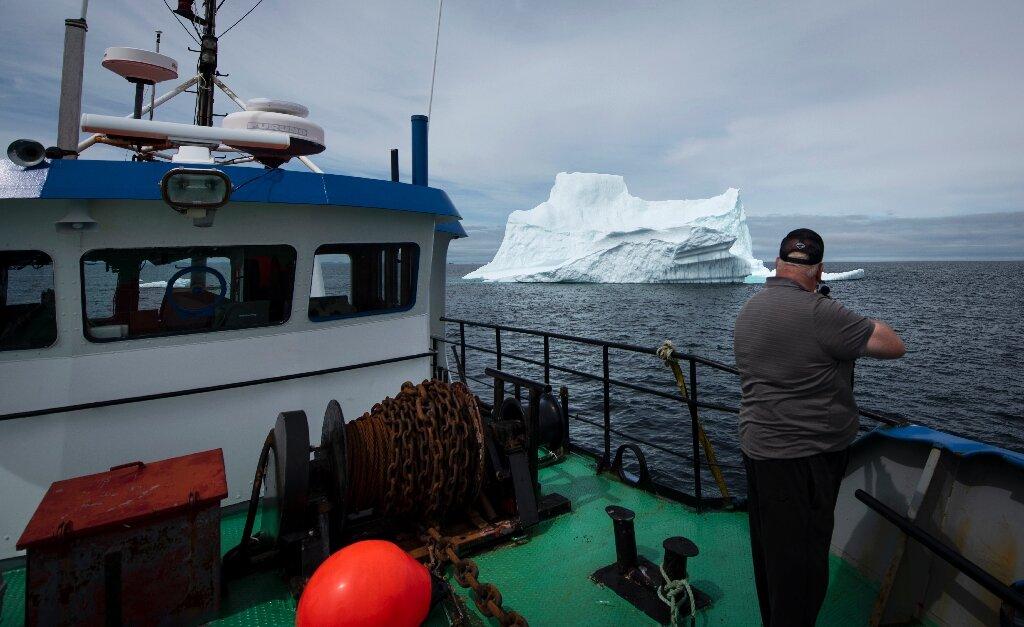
{"type": "Point", "coordinates": [802, 246]}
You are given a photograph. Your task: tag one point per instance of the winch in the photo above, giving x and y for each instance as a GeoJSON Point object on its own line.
{"type": "Point", "coordinates": [433, 457]}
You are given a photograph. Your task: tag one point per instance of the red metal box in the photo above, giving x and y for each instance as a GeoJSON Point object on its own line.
{"type": "Point", "coordinates": [136, 545]}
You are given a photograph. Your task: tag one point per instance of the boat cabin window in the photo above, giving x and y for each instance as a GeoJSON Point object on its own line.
{"type": "Point", "coordinates": [362, 279]}
{"type": "Point", "coordinates": [28, 315]}
{"type": "Point", "coordinates": [149, 292]}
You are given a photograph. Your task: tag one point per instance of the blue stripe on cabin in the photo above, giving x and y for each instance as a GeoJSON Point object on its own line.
{"type": "Point", "coordinates": [126, 180]}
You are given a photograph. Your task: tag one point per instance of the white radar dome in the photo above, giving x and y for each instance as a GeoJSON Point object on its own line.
{"type": "Point", "coordinates": [138, 65]}
{"type": "Point", "coordinates": [277, 106]}
{"type": "Point", "coordinates": [305, 136]}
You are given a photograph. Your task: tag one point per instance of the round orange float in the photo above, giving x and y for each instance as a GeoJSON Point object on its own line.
{"type": "Point", "coordinates": [368, 583]}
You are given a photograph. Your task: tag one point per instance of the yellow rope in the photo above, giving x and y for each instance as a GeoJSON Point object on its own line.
{"type": "Point", "coordinates": [665, 353]}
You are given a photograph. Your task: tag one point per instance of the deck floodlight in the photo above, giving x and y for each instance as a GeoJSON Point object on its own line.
{"type": "Point", "coordinates": [196, 192]}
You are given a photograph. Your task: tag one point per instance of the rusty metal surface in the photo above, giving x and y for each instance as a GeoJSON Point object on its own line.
{"type": "Point", "coordinates": [164, 572]}
{"type": "Point", "coordinates": [125, 495]}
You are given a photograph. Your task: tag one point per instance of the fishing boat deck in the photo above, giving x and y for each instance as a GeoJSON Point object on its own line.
{"type": "Point", "coordinates": [547, 579]}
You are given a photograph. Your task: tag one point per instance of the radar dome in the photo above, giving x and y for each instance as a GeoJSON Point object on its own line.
{"type": "Point", "coordinates": [265, 114]}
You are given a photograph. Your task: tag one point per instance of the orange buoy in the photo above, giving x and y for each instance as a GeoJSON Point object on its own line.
{"type": "Point", "coordinates": [366, 584]}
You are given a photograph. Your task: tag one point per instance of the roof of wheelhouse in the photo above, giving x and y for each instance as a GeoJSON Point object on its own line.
{"type": "Point", "coordinates": [126, 180]}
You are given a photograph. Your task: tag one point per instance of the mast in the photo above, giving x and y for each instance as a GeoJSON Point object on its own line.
{"type": "Point", "coordinates": [207, 65]}
{"type": "Point", "coordinates": [70, 112]}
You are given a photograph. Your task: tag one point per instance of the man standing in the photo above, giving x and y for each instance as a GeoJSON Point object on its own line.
{"type": "Point", "coordinates": [795, 349]}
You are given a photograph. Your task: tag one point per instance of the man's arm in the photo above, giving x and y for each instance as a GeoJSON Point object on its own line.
{"type": "Point", "coordinates": [884, 343]}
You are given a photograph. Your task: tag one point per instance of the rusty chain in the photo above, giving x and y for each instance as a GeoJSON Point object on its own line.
{"type": "Point", "coordinates": [486, 596]}
{"type": "Point", "coordinates": [420, 453]}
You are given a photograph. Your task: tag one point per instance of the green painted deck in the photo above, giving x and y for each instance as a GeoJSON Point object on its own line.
{"type": "Point", "coordinates": [547, 578]}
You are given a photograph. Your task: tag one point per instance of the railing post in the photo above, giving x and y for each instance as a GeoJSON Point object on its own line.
{"type": "Point", "coordinates": [547, 359]}
{"type": "Point", "coordinates": [607, 461]}
{"type": "Point", "coordinates": [563, 392]}
{"type": "Point", "coordinates": [695, 427]}
{"type": "Point", "coordinates": [433, 359]}
{"type": "Point", "coordinates": [497, 347]}
{"type": "Point", "coordinates": [462, 344]}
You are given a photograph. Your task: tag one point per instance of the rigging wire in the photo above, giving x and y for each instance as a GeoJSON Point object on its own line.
{"type": "Point", "coordinates": [178, 19]}
{"type": "Point", "coordinates": [433, 72]}
{"type": "Point", "coordinates": [244, 15]}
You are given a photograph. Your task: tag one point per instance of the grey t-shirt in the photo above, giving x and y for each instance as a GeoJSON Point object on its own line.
{"type": "Point", "coordinates": [795, 351]}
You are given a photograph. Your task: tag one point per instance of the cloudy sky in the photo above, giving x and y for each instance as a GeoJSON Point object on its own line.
{"type": "Point", "coordinates": [859, 117]}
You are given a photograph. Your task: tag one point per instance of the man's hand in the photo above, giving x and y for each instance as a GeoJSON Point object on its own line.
{"type": "Point", "coordinates": [884, 343]}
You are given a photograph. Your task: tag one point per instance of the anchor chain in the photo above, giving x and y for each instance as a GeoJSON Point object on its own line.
{"type": "Point", "coordinates": [486, 596]}
{"type": "Point", "coordinates": [417, 454]}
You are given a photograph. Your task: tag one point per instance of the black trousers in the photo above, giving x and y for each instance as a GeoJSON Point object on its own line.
{"type": "Point", "coordinates": [791, 505]}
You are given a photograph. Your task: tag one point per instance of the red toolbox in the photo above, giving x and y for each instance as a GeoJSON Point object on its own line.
{"type": "Point", "coordinates": [136, 545]}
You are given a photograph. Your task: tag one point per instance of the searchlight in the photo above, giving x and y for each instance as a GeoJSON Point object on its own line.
{"type": "Point", "coordinates": [196, 192]}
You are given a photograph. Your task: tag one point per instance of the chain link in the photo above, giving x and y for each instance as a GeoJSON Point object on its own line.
{"type": "Point", "coordinates": [420, 453]}
{"type": "Point", "coordinates": [486, 596]}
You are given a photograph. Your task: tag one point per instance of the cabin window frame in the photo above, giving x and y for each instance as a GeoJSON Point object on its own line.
{"type": "Point", "coordinates": [286, 310]}
{"type": "Point", "coordinates": [53, 287]}
{"type": "Point", "coordinates": [339, 249]}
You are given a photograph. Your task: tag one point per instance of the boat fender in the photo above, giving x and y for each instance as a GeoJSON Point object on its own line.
{"type": "Point", "coordinates": [368, 583]}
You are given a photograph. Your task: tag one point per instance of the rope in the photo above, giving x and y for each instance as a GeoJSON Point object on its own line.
{"type": "Point", "coordinates": [433, 72]}
{"type": "Point", "coordinates": [665, 352]}
{"type": "Point", "coordinates": [669, 593]}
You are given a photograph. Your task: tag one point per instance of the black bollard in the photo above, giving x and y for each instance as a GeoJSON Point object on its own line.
{"type": "Point", "coordinates": [638, 580]}
{"type": "Point", "coordinates": [625, 536]}
{"type": "Point", "coordinates": [677, 550]}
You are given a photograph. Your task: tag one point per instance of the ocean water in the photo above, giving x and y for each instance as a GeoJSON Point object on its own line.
{"type": "Point", "coordinates": [963, 324]}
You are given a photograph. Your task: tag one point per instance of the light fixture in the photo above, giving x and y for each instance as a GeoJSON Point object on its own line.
{"type": "Point", "coordinates": [196, 192]}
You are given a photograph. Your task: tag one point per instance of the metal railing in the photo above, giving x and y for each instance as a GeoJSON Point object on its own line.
{"type": "Point", "coordinates": [460, 347]}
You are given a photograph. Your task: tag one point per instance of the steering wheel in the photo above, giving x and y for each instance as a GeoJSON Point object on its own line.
{"type": "Point", "coordinates": [205, 310]}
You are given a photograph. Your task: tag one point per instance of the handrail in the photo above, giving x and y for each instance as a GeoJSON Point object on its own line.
{"type": "Point", "coordinates": [949, 554]}
{"type": "Point", "coordinates": [594, 342]}
{"type": "Point", "coordinates": [593, 377]}
{"type": "Point", "coordinates": [604, 456]}
{"type": "Point", "coordinates": [626, 347]}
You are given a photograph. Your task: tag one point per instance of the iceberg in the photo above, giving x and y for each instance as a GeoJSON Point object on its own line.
{"type": "Point", "coordinates": [591, 230]}
{"type": "Point", "coordinates": [847, 275]}
{"type": "Point", "coordinates": [181, 282]}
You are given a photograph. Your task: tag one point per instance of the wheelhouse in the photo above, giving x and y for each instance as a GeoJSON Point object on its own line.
{"type": "Point", "coordinates": [128, 331]}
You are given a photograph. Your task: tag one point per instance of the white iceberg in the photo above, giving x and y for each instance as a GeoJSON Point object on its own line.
{"type": "Point", "coordinates": [847, 275]}
{"type": "Point", "coordinates": [591, 230]}
{"type": "Point", "coordinates": [181, 282]}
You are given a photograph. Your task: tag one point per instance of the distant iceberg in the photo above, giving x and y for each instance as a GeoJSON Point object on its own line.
{"type": "Point", "coordinates": [848, 275]}
{"type": "Point", "coordinates": [591, 230]}
{"type": "Point", "coordinates": [182, 282]}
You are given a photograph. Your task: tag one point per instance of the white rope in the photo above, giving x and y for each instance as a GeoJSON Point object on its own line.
{"type": "Point", "coordinates": [669, 593]}
{"type": "Point", "coordinates": [665, 351]}
{"type": "Point", "coordinates": [433, 72]}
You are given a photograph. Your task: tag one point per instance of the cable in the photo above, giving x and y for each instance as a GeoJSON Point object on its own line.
{"type": "Point", "coordinates": [258, 176]}
{"type": "Point", "coordinates": [433, 72]}
{"type": "Point", "coordinates": [178, 19]}
{"type": "Point", "coordinates": [194, 27]}
{"type": "Point", "coordinates": [258, 3]}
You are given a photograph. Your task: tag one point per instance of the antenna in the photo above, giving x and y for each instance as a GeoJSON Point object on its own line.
{"type": "Point", "coordinates": [152, 94]}
{"type": "Point", "coordinates": [207, 64]}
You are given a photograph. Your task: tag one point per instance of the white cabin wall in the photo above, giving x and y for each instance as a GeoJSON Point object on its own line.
{"type": "Point", "coordinates": [438, 285]}
{"type": "Point", "coordinates": [36, 451]}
